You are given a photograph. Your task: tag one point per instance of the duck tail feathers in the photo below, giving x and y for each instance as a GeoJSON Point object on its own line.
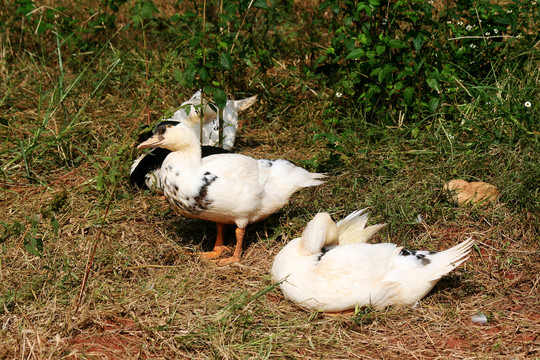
{"type": "Point", "coordinates": [352, 229]}
{"type": "Point", "coordinates": [314, 180]}
{"type": "Point", "coordinates": [243, 104]}
{"type": "Point", "coordinates": [450, 259]}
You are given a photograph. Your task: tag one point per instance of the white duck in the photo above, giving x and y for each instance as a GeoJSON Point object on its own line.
{"type": "Point", "coordinates": [223, 188]}
{"type": "Point", "coordinates": [331, 268]}
{"type": "Point", "coordinates": [190, 114]}
{"type": "Point", "coordinates": [145, 169]}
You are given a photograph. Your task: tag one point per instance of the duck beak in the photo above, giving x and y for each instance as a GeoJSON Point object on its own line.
{"type": "Point", "coordinates": [153, 142]}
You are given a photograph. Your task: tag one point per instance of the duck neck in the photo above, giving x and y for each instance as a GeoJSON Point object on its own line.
{"type": "Point", "coordinates": [189, 156]}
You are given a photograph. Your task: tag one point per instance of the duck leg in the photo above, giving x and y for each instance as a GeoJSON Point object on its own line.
{"type": "Point", "coordinates": [237, 255]}
{"type": "Point", "coordinates": [218, 246]}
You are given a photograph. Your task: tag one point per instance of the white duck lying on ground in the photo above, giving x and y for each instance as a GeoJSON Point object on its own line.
{"type": "Point", "coordinates": [331, 268]}
{"type": "Point", "coordinates": [190, 111]}
{"type": "Point", "coordinates": [223, 188]}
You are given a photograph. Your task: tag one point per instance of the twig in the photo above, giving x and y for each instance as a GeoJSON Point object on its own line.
{"type": "Point", "coordinates": [460, 84]}
{"type": "Point", "coordinates": [33, 328]}
{"type": "Point", "coordinates": [241, 26]}
{"type": "Point", "coordinates": [204, 63]}
{"type": "Point", "coordinates": [481, 37]}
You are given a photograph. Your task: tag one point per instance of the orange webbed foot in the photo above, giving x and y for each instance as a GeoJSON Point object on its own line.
{"type": "Point", "coordinates": [218, 250]}
{"type": "Point", "coordinates": [229, 260]}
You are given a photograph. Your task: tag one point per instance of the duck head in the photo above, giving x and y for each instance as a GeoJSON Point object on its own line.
{"type": "Point", "coordinates": [320, 231]}
{"type": "Point", "coordinates": [172, 136]}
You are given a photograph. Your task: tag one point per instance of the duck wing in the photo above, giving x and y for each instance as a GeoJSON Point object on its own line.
{"type": "Point", "coordinates": [352, 228]}
{"type": "Point", "coordinates": [355, 275]}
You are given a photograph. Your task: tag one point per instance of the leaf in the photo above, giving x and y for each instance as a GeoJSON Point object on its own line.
{"type": "Point", "coordinates": [380, 49]}
{"type": "Point", "coordinates": [189, 74]}
{"type": "Point", "coordinates": [178, 75]}
{"type": "Point", "coordinates": [203, 73]}
{"type": "Point", "coordinates": [434, 84]}
{"type": "Point", "coordinates": [396, 44]}
{"type": "Point", "coordinates": [418, 41]}
{"type": "Point", "coordinates": [148, 9]}
{"type": "Point", "coordinates": [55, 226]}
{"type": "Point", "coordinates": [34, 245]}
{"type": "Point", "coordinates": [407, 95]}
{"type": "Point", "coordinates": [371, 54]}
{"type": "Point", "coordinates": [226, 61]}
{"type": "Point", "coordinates": [355, 54]}
{"type": "Point", "coordinates": [220, 98]}
{"type": "Point", "coordinates": [261, 4]}
{"type": "Point", "coordinates": [433, 104]}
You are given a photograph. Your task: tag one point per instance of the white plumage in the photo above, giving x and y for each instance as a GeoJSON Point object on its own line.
{"type": "Point", "coordinates": [190, 114]}
{"type": "Point", "coordinates": [224, 188]}
{"type": "Point", "coordinates": [331, 268]}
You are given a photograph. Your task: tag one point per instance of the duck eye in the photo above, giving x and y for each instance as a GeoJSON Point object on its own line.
{"type": "Point", "coordinates": [169, 126]}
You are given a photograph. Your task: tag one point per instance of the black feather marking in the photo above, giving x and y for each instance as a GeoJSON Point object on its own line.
{"type": "Point", "coordinates": [421, 257]}
{"type": "Point", "coordinates": [212, 150]}
{"type": "Point", "coordinates": [267, 162]}
{"type": "Point", "coordinates": [323, 251]}
{"type": "Point", "coordinates": [196, 204]}
{"type": "Point", "coordinates": [406, 252]}
{"type": "Point", "coordinates": [200, 200]}
{"type": "Point", "coordinates": [150, 162]}
{"type": "Point", "coordinates": [425, 261]}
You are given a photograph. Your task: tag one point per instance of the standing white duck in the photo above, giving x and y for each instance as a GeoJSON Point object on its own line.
{"type": "Point", "coordinates": [331, 268]}
{"type": "Point", "coordinates": [190, 114]}
{"type": "Point", "coordinates": [223, 188]}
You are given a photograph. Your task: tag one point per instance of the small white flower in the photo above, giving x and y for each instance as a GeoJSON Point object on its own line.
{"type": "Point", "coordinates": [448, 22]}
{"type": "Point", "coordinates": [509, 11]}
{"type": "Point", "coordinates": [527, 104]}
{"type": "Point", "coordinates": [430, 1]}
{"type": "Point", "coordinates": [460, 23]}
{"type": "Point", "coordinates": [518, 36]}
{"type": "Point", "coordinates": [469, 28]}
{"type": "Point", "coordinates": [488, 33]}
{"type": "Point", "coordinates": [496, 31]}
{"type": "Point", "coordinates": [338, 94]}
{"type": "Point", "coordinates": [473, 46]}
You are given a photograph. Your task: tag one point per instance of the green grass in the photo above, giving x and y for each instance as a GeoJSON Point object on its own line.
{"type": "Point", "coordinates": [72, 105]}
